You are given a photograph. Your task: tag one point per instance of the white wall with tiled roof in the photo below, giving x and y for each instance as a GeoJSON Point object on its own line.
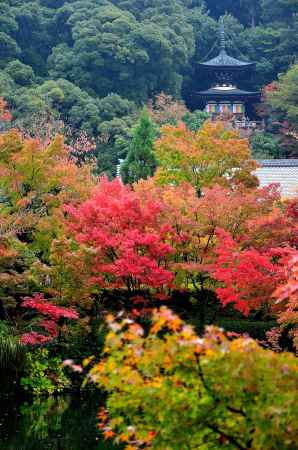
{"type": "Point", "coordinates": [284, 173]}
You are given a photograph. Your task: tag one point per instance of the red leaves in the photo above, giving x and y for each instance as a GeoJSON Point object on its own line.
{"type": "Point", "coordinates": [50, 324]}
{"type": "Point", "coordinates": [156, 237]}
{"type": "Point", "coordinates": [249, 276]}
{"type": "Point", "coordinates": [5, 114]}
{"type": "Point", "coordinates": [251, 266]}
{"type": "Point", "coordinates": [287, 297]}
{"type": "Point", "coordinates": [39, 303]}
{"type": "Point", "coordinates": [34, 338]}
{"type": "Point", "coordinates": [122, 235]}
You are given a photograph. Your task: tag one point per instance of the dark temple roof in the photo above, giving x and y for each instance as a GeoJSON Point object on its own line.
{"type": "Point", "coordinates": [225, 61]}
{"type": "Point", "coordinates": [227, 94]}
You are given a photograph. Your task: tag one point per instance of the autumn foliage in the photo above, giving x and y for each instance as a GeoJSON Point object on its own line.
{"type": "Point", "coordinates": [50, 322]}
{"type": "Point", "coordinates": [212, 155]}
{"type": "Point", "coordinates": [286, 297]}
{"type": "Point", "coordinates": [249, 276]}
{"type": "Point", "coordinates": [77, 248]}
{"type": "Point", "coordinates": [124, 237]}
{"type": "Point", "coordinates": [171, 389]}
{"type": "Point", "coordinates": [36, 181]}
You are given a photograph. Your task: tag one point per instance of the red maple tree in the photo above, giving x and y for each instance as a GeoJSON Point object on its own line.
{"type": "Point", "coordinates": [249, 276]}
{"type": "Point", "coordinates": [50, 321]}
{"type": "Point", "coordinates": [287, 300]}
{"type": "Point", "coordinates": [122, 237]}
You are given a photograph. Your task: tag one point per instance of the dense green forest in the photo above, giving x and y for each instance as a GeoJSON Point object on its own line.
{"type": "Point", "coordinates": [93, 63]}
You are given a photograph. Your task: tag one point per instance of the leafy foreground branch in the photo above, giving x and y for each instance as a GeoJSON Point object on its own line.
{"type": "Point", "coordinates": [171, 390]}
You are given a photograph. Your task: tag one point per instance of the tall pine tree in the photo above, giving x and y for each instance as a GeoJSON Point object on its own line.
{"type": "Point", "coordinates": [140, 161]}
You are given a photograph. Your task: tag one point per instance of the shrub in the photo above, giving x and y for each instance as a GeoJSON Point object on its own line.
{"type": "Point", "coordinates": [170, 389]}
{"type": "Point", "coordinates": [44, 374]}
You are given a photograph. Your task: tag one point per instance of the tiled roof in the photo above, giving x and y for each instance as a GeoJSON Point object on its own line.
{"type": "Point", "coordinates": [215, 92]}
{"type": "Point", "coordinates": [278, 162]}
{"type": "Point", "coordinates": [225, 60]}
{"type": "Point", "coordinates": [282, 171]}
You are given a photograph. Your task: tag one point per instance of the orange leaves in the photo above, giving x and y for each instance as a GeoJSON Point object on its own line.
{"type": "Point", "coordinates": [108, 434]}
{"type": "Point", "coordinates": [42, 169]}
{"type": "Point", "coordinates": [123, 437]}
{"type": "Point", "coordinates": [165, 318]}
{"type": "Point", "coordinates": [37, 180]}
{"type": "Point", "coordinates": [212, 155]}
{"type": "Point", "coordinates": [180, 388]}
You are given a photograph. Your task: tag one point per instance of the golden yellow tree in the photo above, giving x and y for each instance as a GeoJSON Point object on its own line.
{"type": "Point", "coordinates": [213, 155]}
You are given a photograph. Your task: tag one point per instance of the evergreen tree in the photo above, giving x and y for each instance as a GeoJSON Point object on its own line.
{"type": "Point", "coordinates": [140, 161]}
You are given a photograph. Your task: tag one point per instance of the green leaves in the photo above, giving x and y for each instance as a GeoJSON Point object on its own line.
{"type": "Point", "coordinates": [170, 389]}
{"type": "Point", "coordinates": [140, 162]}
{"type": "Point", "coordinates": [45, 374]}
{"type": "Point", "coordinates": [12, 353]}
{"type": "Point", "coordinates": [284, 97]}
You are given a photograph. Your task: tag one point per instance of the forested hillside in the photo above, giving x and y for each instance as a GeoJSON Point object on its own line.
{"type": "Point", "coordinates": [93, 63]}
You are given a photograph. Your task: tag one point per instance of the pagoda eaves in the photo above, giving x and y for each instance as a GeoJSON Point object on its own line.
{"type": "Point", "coordinates": [225, 61]}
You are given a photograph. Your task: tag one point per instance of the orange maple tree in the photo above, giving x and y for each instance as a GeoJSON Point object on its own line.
{"type": "Point", "coordinates": [36, 181]}
{"type": "Point", "coordinates": [212, 155]}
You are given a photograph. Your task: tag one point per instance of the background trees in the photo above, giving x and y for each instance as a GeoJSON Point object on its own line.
{"type": "Point", "coordinates": [66, 58]}
{"type": "Point", "coordinates": [140, 161]}
{"type": "Point", "coordinates": [284, 98]}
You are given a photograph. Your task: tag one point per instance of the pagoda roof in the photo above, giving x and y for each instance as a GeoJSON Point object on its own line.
{"type": "Point", "coordinates": [225, 61]}
{"type": "Point", "coordinates": [227, 92]}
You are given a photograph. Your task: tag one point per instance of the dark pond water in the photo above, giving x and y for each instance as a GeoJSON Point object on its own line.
{"type": "Point", "coordinates": [61, 423]}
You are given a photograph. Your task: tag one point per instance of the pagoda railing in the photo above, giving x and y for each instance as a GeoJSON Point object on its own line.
{"type": "Point", "coordinates": [248, 124]}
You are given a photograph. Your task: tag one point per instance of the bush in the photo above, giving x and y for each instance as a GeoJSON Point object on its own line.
{"type": "Point", "coordinates": [169, 389]}
{"type": "Point", "coordinates": [45, 374]}
{"type": "Point", "coordinates": [264, 145]}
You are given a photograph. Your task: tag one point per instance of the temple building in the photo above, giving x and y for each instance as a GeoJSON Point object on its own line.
{"type": "Point", "coordinates": [224, 97]}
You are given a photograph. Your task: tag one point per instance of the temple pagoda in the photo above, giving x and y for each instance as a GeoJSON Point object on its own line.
{"type": "Point", "coordinates": [224, 97]}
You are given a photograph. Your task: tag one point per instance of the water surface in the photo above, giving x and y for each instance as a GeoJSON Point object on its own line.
{"type": "Point", "coordinates": [53, 423]}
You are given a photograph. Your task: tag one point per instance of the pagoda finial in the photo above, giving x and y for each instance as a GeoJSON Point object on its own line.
{"type": "Point", "coordinates": [222, 35]}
